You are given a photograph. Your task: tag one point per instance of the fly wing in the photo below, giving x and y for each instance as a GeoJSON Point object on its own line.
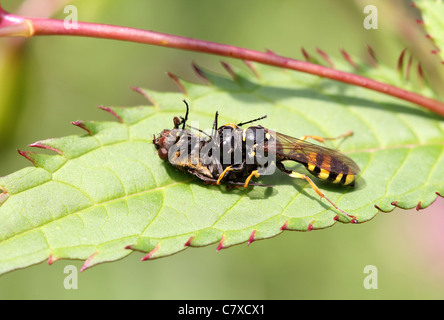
{"type": "Point", "coordinates": [290, 148]}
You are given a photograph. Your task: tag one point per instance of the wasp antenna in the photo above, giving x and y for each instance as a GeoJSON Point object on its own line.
{"type": "Point", "coordinates": [214, 130]}
{"type": "Point", "coordinates": [257, 119]}
{"type": "Point", "coordinates": [186, 115]}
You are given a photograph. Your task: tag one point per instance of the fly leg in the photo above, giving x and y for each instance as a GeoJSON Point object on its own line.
{"type": "Point", "coordinates": [236, 168]}
{"type": "Point", "coordinates": [298, 175]}
{"type": "Point", "coordinates": [253, 173]}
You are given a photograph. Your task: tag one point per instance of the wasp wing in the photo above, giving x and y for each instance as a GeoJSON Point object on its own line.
{"type": "Point", "coordinates": [290, 148]}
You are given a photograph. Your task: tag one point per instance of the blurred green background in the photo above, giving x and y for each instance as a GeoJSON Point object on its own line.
{"type": "Point", "coordinates": [51, 81]}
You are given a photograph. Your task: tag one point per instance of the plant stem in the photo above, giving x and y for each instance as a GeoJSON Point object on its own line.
{"type": "Point", "coordinates": [13, 25]}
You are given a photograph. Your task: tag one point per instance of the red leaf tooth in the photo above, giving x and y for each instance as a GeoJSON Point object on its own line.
{"type": "Point", "coordinates": [41, 145]}
{"type": "Point", "coordinates": [349, 59]}
{"type": "Point", "coordinates": [252, 68]}
{"type": "Point", "coordinates": [305, 53]}
{"type": "Point", "coordinates": [51, 259]}
{"type": "Point", "coordinates": [221, 244]}
{"type": "Point", "coordinates": [418, 206]}
{"type": "Point", "coordinates": [176, 80]}
{"type": "Point", "coordinates": [438, 194]}
{"type": "Point", "coordinates": [27, 155]}
{"type": "Point", "coordinates": [336, 217]}
{"type": "Point", "coordinates": [271, 52]}
{"type": "Point", "coordinates": [326, 57]}
{"type": "Point", "coordinates": [251, 238]}
{"type": "Point", "coordinates": [310, 227]}
{"type": "Point", "coordinates": [150, 254]}
{"type": "Point", "coordinates": [418, 21]}
{"type": "Point", "coordinates": [435, 51]}
{"type": "Point", "coordinates": [401, 60]}
{"type": "Point", "coordinates": [285, 225]}
{"type": "Point", "coordinates": [394, 203]}
{"type": "Point", "coordinates": [188, 243]}
{"type": "Point", "coordinates": [228, 68]}
{"type": "Point", "coordinates": [87, 263]}
{"type": "Point", "coordinates": [81, 125]}
{"type": "Point", "coordinates": [200, 73]}
{"type": "Point", "coordinates": [143, 93]}
{"type": "Point", "coordinates": [372, 54]}
{"type": "Point", "coordinates": [108, 109]}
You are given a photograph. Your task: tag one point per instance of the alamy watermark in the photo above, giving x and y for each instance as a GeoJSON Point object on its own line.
{"type": "Point", "coordinates": [371, 20]}
{"type": "Point", "coordinates": [371, 280]}
{"type": "Point", "coordinates": [70, 282]}
{"type": "Point", "coordinates": [72, 18]}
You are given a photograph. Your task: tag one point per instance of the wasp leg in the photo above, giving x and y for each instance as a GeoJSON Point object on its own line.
{"type": "Point", "coordinates": [298, 175]}
{"type": "Point", "coordinates": [253, 173]}
{"type": "Point", "coordinates": [322, 139]}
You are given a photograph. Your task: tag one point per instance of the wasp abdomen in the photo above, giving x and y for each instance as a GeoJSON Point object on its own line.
{"type": "Point", "coordinates": [328, 168]}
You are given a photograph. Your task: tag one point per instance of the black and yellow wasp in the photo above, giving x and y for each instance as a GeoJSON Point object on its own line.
{"type": "Point", "coordinates": [233, 155]}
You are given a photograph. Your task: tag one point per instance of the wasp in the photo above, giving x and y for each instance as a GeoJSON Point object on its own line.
{"type": "Point", "coordinates": [234, 155]}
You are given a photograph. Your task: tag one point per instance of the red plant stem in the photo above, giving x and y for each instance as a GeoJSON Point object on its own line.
{"type": "Point", "coordinates": [36, 26]}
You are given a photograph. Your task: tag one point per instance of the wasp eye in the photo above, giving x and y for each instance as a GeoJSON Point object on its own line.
{"type": "Point", "coordinates": [163, 153]}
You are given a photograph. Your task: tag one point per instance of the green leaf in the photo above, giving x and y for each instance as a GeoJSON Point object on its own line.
{"type": "Point", "coordinates": [432, 12]}
{"type": "Point", "coordinates": [102, 195]}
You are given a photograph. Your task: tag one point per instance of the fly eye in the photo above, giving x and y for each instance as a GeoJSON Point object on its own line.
{"type": "Point", "coordinates": [163, 153]}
